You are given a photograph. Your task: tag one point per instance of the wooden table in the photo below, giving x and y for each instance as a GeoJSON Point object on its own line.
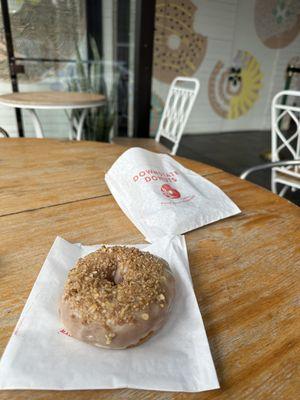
{"type": "Point", "coordinates": [244, 268]}
{"type": "Point", "coordinates": [32, 101]}
{"type": "Point", "coordinates": [148, 144]}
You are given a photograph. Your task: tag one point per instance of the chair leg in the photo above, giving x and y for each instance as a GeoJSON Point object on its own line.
{"type": "Point", "coordinates": [80, 123]}
{"type": "Point", "coordinates": [174, 149]}
{"type": "Point", "coordinates": [72, 123]}
{"type": "Point", "coordinates": [36, 123]}
{"type": "Point", "coordinates": [283, 191]}
{"type": "Point", "coordinates": [273, 183]}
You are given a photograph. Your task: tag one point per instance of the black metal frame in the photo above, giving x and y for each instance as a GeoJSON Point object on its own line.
{"type": "Point", "coordinates": [13, 68]}
{"type": "Point", "coordinates": [3, 132]}
{"type": "Point", "coordinates": [290, 71]}
{"type": "Point", "coordinates": [122, 57]}
{"type": "Point", "coordinates": [144, 37]}
{"type": "Point", "coordinates": [54, 60]}
{"type": "Point", "coordinates": [93, 25]}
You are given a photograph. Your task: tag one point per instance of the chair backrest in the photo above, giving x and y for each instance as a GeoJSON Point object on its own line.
{"type": "Point", "coordinates": [280, 140]}
{"type": "Point", "coordinates": [179, 103]}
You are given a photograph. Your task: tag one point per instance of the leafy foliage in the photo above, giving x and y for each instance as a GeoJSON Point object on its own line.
{"type": "Point", "coordinates": [89, 78]}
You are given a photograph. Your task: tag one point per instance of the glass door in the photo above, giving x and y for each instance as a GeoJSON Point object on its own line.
{"type": "Point", "coordinates": [69, 45]}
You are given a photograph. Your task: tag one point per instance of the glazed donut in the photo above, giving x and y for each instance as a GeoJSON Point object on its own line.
{"type": "Point", "coordinates": [117, 297]}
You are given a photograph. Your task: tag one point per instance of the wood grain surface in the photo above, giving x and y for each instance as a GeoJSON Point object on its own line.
{"type": "Point", "coordinates": [148, 144]}
{"type": "Point", "coordinates": [244, 269]}
{"type": "Point", "coordinates": [50, 99]}
{"type": "Point", "coordinates": [38, 173]}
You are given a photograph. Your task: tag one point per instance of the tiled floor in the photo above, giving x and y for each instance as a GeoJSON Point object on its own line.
{"type": "Point", "coordinates": [233, 152]}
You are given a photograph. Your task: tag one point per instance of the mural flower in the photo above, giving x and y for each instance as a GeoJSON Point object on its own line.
{"type": "Point", "coordinates": [277, 22]}
{"type": "Point", "coordinates": [233, 91]}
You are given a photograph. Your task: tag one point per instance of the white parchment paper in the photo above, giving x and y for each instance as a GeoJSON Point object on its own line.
{"type": "Point", "coordinates": [39, 356]}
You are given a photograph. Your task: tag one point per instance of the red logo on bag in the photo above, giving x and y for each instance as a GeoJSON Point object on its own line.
{"type": "Point", "coordinates": [64, 332]}
{"type": "Point", "coordinates": [170, 192]}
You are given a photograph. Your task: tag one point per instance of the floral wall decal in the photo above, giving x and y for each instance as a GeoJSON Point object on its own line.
{"type": "Point", "coordinates": [232, 91]}
{"type": "Point", "coordinates": [277, 22]}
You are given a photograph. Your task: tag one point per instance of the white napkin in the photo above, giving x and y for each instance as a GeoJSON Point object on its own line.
{"type": "Point", "coordinates": [39, 356]}
{"type": "Point", "coordinates": [163, 198]}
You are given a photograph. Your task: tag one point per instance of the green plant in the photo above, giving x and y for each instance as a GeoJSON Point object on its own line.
{"type": "Point", "coordinates": [89, 78]}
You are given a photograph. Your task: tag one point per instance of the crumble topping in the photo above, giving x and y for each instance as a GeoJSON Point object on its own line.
{"type": "Point", "coordinates": [116, 285]}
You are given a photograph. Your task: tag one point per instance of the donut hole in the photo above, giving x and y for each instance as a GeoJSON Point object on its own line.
{"type": "Point", "coordinates": [174, 42]}
{"type": "Point", "coordinates": [113, 273]}
{"type": "Point", "coordinates": [115, 278]}
{"type": "Point", "coordinates": [118, 277]}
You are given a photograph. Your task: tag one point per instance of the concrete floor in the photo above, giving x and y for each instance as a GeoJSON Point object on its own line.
{"type": "Point", "coordinates": [233, 152]}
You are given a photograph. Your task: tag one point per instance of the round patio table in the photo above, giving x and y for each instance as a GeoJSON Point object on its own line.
{"type": "Point", "coordinates": [31, 101]}
{"type": "Point", "coordinates": [244, 268]}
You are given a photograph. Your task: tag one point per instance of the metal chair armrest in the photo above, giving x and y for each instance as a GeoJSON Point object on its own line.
{"type": "Point", "coordinates": [286, 163]}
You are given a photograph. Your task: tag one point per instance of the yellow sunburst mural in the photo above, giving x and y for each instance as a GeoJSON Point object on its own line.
{"type": "Point", "coordinates": [233, 91]}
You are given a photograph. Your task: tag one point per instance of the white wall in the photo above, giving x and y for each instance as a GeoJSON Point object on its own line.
{"type": "Point", "coordinates": [230, 26]}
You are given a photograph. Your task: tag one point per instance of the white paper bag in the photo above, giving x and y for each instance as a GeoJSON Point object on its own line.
{"type": "Point", "coordinates": [163, 198]}
{"type": "Point", "coordinates": [40, 356]}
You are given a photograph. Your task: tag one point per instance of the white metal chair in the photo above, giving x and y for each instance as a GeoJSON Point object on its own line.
{"type": "Point", "coordinates": [288, 176]}
{"type": "Point", "coordinates": [178, 106]}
